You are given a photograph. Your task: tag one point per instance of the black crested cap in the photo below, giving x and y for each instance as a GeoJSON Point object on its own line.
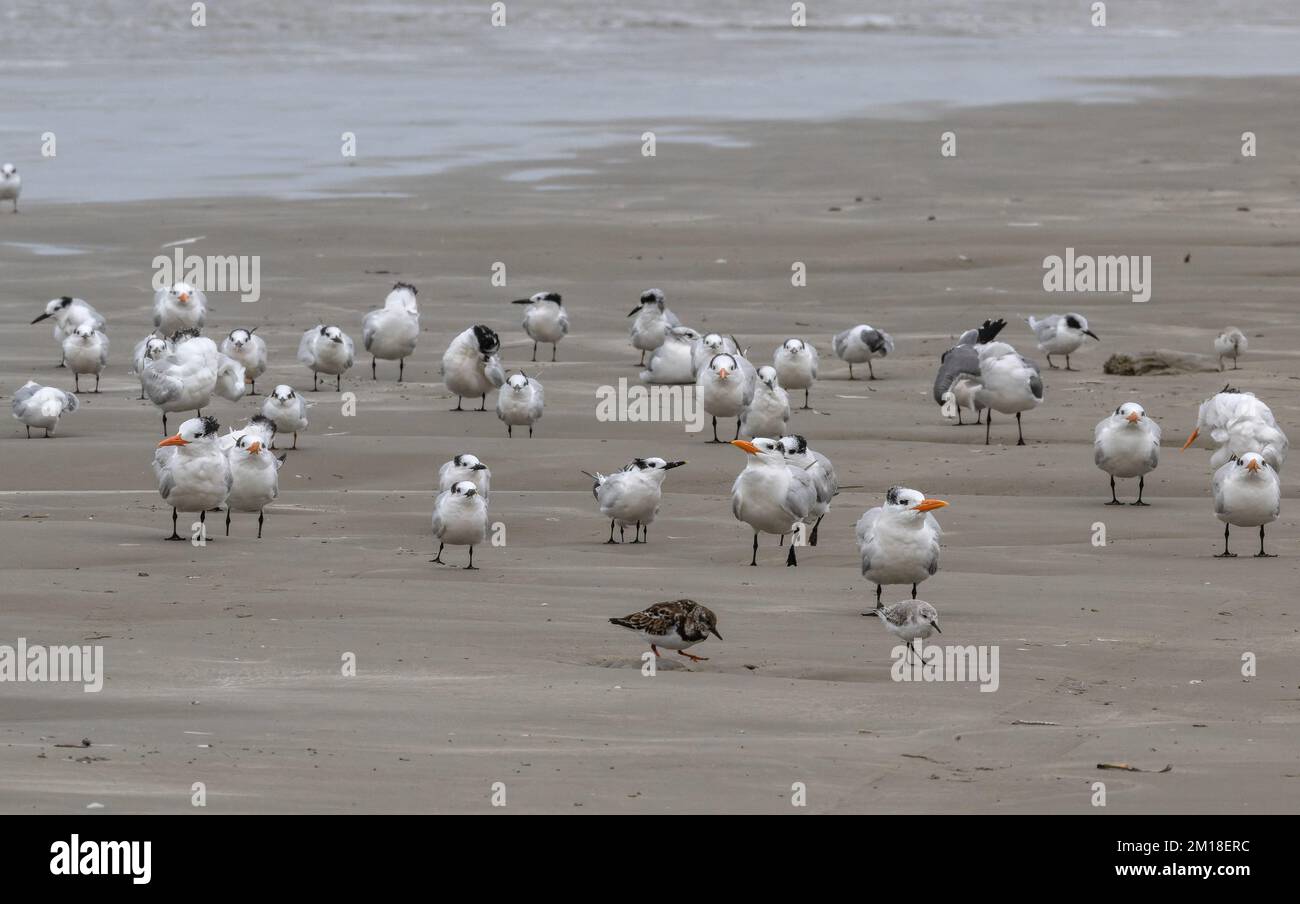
{"type": "Point", "coordinates": [182, 335]}
{"type": "Point", "coordinates": [800, 444]}
{"type": "Point", "coordinates": [552, 296]}
{"type": "Point", "coordinates": [263, 421]}
{"type": "Point", "coordinates": [65, 300]}
{"type": "Point", "coordinates": [989, 330]}
{"type": "Point", "coordinates": [405, 285]}
{"type": "Point", "coordinates": [488, 341]}
{"type": "Point", "coordinates": [893, 494]}
{"type": "Point", "coordinates": [210, 425]}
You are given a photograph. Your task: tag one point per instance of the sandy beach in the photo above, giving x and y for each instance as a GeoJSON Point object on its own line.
{"type": "Point", "coordinates": [223, 663]}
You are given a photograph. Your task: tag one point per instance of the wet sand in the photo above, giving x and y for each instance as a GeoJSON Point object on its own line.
{"type": "Point", "coordinates": [223, 662]}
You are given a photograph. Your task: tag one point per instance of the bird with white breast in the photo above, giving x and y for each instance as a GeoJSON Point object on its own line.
{"type": "Point", "coordinates": [326, 350]}
{"type": "Point", "coordinates": [85, 351]}
{"type": "Point", "coordinates": [40, 406]}
{"type": "Point", "coordinates": [460, 518]}
{"type": "Point", "coordinates": [1060, 334]}
{"type": "Point", "coordinates": [179, 306]}
{"type": "Point", "coordinates": [193, 472]}
{"type": "Point", "coordinates": [796, 366]}
{"type": "Point", "coordinates": [771, 495]}
{"type": "Point", "coordinates": [520, 403]}
{"type": "Point", "coordinates": [899, 541]}
{"type": "Point", "coordinates": [630, 497]}
{"type": "Point", "coordinates": [471, 366]}
{"type": "Point", "coordinates": [1126, 445]}
{"type": "Point", "coordinates": [1247, 493]}
{"type": "Point", "coordinates": [545, 320]}
{"type": "Point", "coordinates": [391, 332]}
{"type": "Point", "coordinates": [860, 344]}
{"type": "Point", "coordinates": [250, 351]}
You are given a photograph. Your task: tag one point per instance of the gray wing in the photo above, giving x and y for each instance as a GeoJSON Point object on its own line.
{"type": "Point", "coordinates": [958, 360]}
{"type": "Point", "coordinates": [866, 533]}
{"type": "Point", "coordinates": [306, 354]}
{"type": "Point", "coordinates": [1036, 381]}
{"type": "Point", "coordinates": [368, 329]}
{"type": "Point", "coordinates": [840, 342]}
{"type": "Point", "coordinates": [492, 370]}
{"type": "Point", "coordinates": [671, 318]}
{"type": "Point", "coordinates": [347, 345]}
{"type": "Point", "coordinates": [879, 343]}
{"type": "Point", "coordinates": [1217, 487]}
{"type": "Point", "coordinates": [159, 380]}
{"type": "Point", "coordinates": [564, 322]}
{"type": "Point", "coordinates": [71, 401]}
{"type": "Point", "coordinates": [829, 484]}
{"type": "Point", "coordinates": [539, 400]}
{"type": "Point", "coordinates": [103, 353]}
{"type": "Point", "coordinates": [1045, 329]}
{"type": "Point", "coordinates": [802, 494]}
{"type": "Point", "coordinates": [22, 395]}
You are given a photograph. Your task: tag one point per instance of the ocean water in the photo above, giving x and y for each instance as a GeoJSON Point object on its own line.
{"type": "Point", "coordinates": [143, 104]}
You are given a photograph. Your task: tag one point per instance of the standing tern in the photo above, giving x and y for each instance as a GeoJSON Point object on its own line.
{"type": "Point", "coordinates": [1060, 334]}
{"type": "Point", "coordinates": [631, 496]}
{"type": "Point", "coordinates": [40, 406]}
{"type": "Point", "coordinates": [326, 350]}
{"type": "Point", "coordinates": [193, 473]}
{"type": "Point", "coordinates": [768, 411]}
{"type": "Point", "coordinates": [1231, 343]}
{"type": "Point", "coordinates": [1127, 444]}
{"type": "Point", "coordinates": [899, 541]}
{"type": "Point", "coordinates": [520, 403]}
{"type": "Point", "coordinates": [1233, 423]}
{"type": "Point", "coordinates": [471, 366]}
{"type": "Point", "coordinates": [545, 320]}
{"type": "Point", "coordinates": [465, 466]}
{"type": "Point", "coordinates": [963, 360]}
{"type": "Point", "coordinates": [287, 410]}
{"type": "Point", "coordinates": [86, 352]}
{"type": "Point", "coordinates": [724, 390]}
{"type": "Point", "coordinates": [148, 350]}
{"type": "Point", "coordinates": [1009, 383]}
{"type": "Point", "coordinates": [391, 331]}
{"type": "Point", "coordinates": [11, 184]}
{"type": "Point", "coordinates": [180, 306]}
{"type": "Point", "coordinates": [460, 518]}
{"type": "Point", "coordinates": [822, 472]}
{"type": "Point", "coordinates": [677, 625]}
{"type": "Point", "coordinates": [771, 495]}
{"type": "Point", "coordinates": [1247, 493]}
{"type": "Point", "coordinates": [255, 479]}
{"type": "Point", "coordinates": [796, 366]}
{"type": "Point", "coordinates": [187, 378]}
{"type": "Point", "coordinates": [671, 361]}
{"type": "Point", "coordinates": [860, 344]}
{"type": "Point", "coordinates": [250, 351]}
{"type": "Point", "coordinates": [68, 313]}
{"type": "Point", "coordinates": [653, 320]}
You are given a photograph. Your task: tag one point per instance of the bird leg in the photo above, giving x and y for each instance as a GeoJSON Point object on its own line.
{"type": "Point", "coordinates": [805, 399]}
{"type": "Point", "coordinates": [164, 423]}
{"type": "Point", "coordinates": [656, 651]}
{"type": "Point", "coordinates": [401, 368]}
{"type": "Point", "coordinates": [530, 431]}
{"type": "Point", "coordinates": [879, 588]}
{"type": "Point", "coordinates": [611, 532]}
{"type": "Point", "coordinates": [988, 425]}
{"type": "Point", "coordinates": [1067, 363]}
{"type": "Point", "coordinates": [372, 368]}
{"type": "Point", "coordinates": [715, 431]}
{"type": "Point", "coordinates": [534, 351]}
{"type": "Point", "coordinates": [642, 364]}
{"type": "Point", "coordinates": [1019, 430]}
{"type": "Point", "coordinates": [1050, 364]}
{"type": "Point", "coordinates": [29, 432]}
{"type": "Point", "coordinates": [812, 540]}
{"type": "Point", "coordinates": [76, 382]}
{"type": "Point", "coordinates": [913, 591]}
{"type": "Point", "coordinates": [227, 521]}
{"type": "Point", "coordinates": [261, 514]}
{"type": "Point", "coordinates": [754, 558]}
{"type": "Point", "coordinates": [621, 537]}
{"type": "Point", "coordinates": [790, 560]}
{"type": "Point", "coordinates": [692, 658]}
{"type": "Point", "coordinates": [851, 377]}
{"type": "Point", "coordinates": [470, 566]}
{"type": "Point", "coordinates": [1225, 554]}
{"type": "Point", "coordinates": [458, 408]}
{"type": "Point", "coordinates": [1114, 500]}
{"type": "Point", "coordinates": [510, 433]}
{"type": "Point", "coordinates": [555, 346]}
{"type": "Point", "coordinates": [645, 532]}
{"type": "Point", "coordinates": [1141, 483]}
{"type": "Point", "coordinates": [295, 440]}
{"type": "Point", "coordinates": [871, 370]}
{"type": "Point", "coordinates": [315, 381]}
{"type": "Point", "coordinates": [636, 537]}
{"type": "Point", "coordinates": [482, 406]}
{"type": "Point", "coordinates": [1261, 554]}
{"type": "Point", "coordinates": [438, 557]}
{"type": "Point", "coordinates": [96, 384]}
{"type": "Point", "coordinates": [174, 536]}
{"type": "Point", "coordinates": [338, 382]}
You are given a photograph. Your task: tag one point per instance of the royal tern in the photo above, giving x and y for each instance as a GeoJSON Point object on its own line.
{"type": "Point", "coordinates": [899, 541]}
{"type": "Point", "coordinates": [391, 331]}
{"type": "Point", "coordinates": [671, 361]}
{"type": "Point", "coordinates": [1247, 493]}
{"type": "Point", "coordinates": [724, 390]}
{"type": "Point", "coordinates": [11, 184]}
{"type": "Point", "coordinates": [768, 411]}
{"type": "Point", "coordinates": [909, 620]}
{"type": "Point", "coordinates": [460, 518]}
{"type": "Point", "coordinates": [68, 313]}
{"type": "Point", "coordinates": [677, 625]}
{"type": "Point", "coordinates": [193, 473]}
{"type": "Point", "coordinates": [771, 495]}
{"type": "Point", "coordinates": [796, 366]}
{"type": "Point", "coordinates": [187, 378]}
{"type": "Point", "coordinates": [860, 344]}
{"type": "Point", "coordinates": [1127, 444]}
{"type": "Point", "coordinates": [822, 472]}
{"type": "Point", "coordinates": [1009, 383]}
{"type": "Point", "coordinates": [1231, 343]}
{"type": "Point", "coordinates": [653, 320]}
{"type": "Point", "coordinates": [255, 479]}
{"type": "Point", "coordinates": [705, 347]}
{"type": "Point", "coordinates": [545, 320]}
{"type": "Point", "coordinates": [86, 352]}
{"type": "Point", "coordinates": [471, 366]}
{"type": "Point", "coordinates": [326, 350]}
{"type": "Point", "coordinates": [520, 403]}
{"type": "Point", "coordinates": [287, 410]}
{"type": "Point", "coordinates": [963, 359]}
{"type": "Point", "coordinates": [148, 350]}
{"type": "Point", "coordinates": [1060, 334]}
{"type": "Point", "coordinates": [40, 406]}
{"type": "Point", "coordinates": [250, 351]}
{"type": "Point", "coordinates": [258, 427]}
{"type": "Point", "coordinates": [180, 306]}
{"type": "Point", "coordinates": [465, 466]}
{"type": "Point", "coordinates": [1233, 423]}
{"type": "Point", "coordinates": [631, 496]}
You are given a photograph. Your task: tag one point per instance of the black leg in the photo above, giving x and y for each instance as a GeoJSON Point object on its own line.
{"type": "Point", "coordinates": [164, 423]}
{"type": "Point", "coordinates": [534, 351]}
{"type": "Point", "coordinates": [642, 358]}
{"type": "Point", "coordinates": [510, 433]}
{"type": "Point", "coordinates": [372, 368]}
{"type": "Point", "coordinates": [470, 566]}
{"type": "Point", "coordinates": [782, 543]}
{"type": "Point", "coordinates": [227, 520]}
{"type": "Point", "coordinates": [458, 408]}
{"type": "Point", "coordinates": [959, 420]}
{"type": "Point", "coordinates": [260, 516]}
{"type": "Point", "coordinates": [812, 540]}
{"type": "Point", "coordinates": [790, 560]}
{"type": "Point", "coordinates": [401, 369]}
{"type": "Point", "coordinates": [621, 536]}
{"type": "Point", "coordinates": [715, 429]}
{"type": "Point", "coordinates": [879, 588]}
{"type": "Point", "coordinates": [636, 535]}
{"type": "Point", "coordinates": [482, 406]}
{"type": "Point", "coordinates": [315, 381]}
{"type": "Point", "coordinates": [871, 370]}
{"type": "Point", "coordinates": [805, 399]}
{"type": "Point", "coordinates": [737, 428]}
{"type": "Point", "coordinates": [611, 532]}
{"type": "Point", "coordinates": [913, 591]}
{"type": "Point", "coordinates": [1050, 364]}
{"type": "Point", "coordinates": [96, 384]}
{"type": "Point", "coordinates": [338, 382]}
{"type": "Point", "coordinates": [555, 346]}
{"type": "Point", "coordinates": [1021, 432]}
{"type": "Point", "coordinates": [295, 441]}
{"type": "Point", "coordinates": [253, 383]}
{"type": "Point", "coordinates": [645, 534]}
{"type": "Point", "coordinates": [1261, 554]}
{"type": "Point", "coordinates": [1067, 363]}
{"type": "Point", "coordinates": [76, 382]}
{"type": "Point", "coordinates": [988, 425]}
{"type": "Point", "coordinates": [174, 536]}
{"type": "Point", "coordinates": [29, 430]}
{"type": "Point", "coordinates": [1142, 480]}
{"type": "Point", "coordinates": [530, 431]}
{"type": "Point", "coordinates": [438, 557]}
{"type": "Point", "coordinates": [754, 558]}
{"type": "Point", "coordinates": [1114, 500]}
{"type": "Point", "coordinates": [851, 377]}
{"type": "Point", "coordinates": [1225, 554]}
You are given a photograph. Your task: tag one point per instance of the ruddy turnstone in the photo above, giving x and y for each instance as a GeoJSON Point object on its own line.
{"type": "Point", "coordinates": [676, 625]}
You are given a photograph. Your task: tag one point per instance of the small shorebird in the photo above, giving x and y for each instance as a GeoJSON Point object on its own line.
{"type": "Point", "coordinates": [11, 184]}
{"type": "Point", "coordinates": [287, 410]}
{"type": "Point", "coordinates": [460, 518]}
{"type": "Point", "coordinates": [909, 620]}
{"type": "Point", "coordinates": [255, 478]}
{"type": "Point", "coordinates": [1231, 343]}
{"type": "Point", "coordinates": [86, 352]}
{"type": "Point", "coordinates": [520, 403]}
{"type": "Point", "coordinates": [250, 351]}
{"type": "Point", "coordinates": [68, 313]}
{"type": "Point", "coordinates": [677, 625]}
{"type": "Point", "coordinates": [148, 350]}
{"type": "Point", "coordinates": [724, 390]}
{"type": "Point", "coordinates": [796, 366]}
{"type": "Point", "coordinates": [653, 320]}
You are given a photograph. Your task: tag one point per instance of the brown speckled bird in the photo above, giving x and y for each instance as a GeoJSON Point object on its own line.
{"type": "Point", "coordinates": [676, 625]}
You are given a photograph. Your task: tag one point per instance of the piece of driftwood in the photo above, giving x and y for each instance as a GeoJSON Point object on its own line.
{"type": "Point", "coordinates": [1159, 362]}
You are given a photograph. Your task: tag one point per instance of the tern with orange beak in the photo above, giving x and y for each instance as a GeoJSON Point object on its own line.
{"type": "Point", "coordinates": [1247, 493]}
{"type": "Point", "coordinates": [899, 541]}
{"type": "Point", "coordinates": [255, 478]}
{"type": "Point", "coordinates": [193, 473]}
{"type": "Point", "coordinates": [1233, 422]}
{"type": "Point", "coordinates": [1127, 444]}
{"type": "Point", "coordinates": [179, 307]}
{"type": "Point", "coordinates": [724, 390]}
{"type": "Point", "coordinates": [771, 495]}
